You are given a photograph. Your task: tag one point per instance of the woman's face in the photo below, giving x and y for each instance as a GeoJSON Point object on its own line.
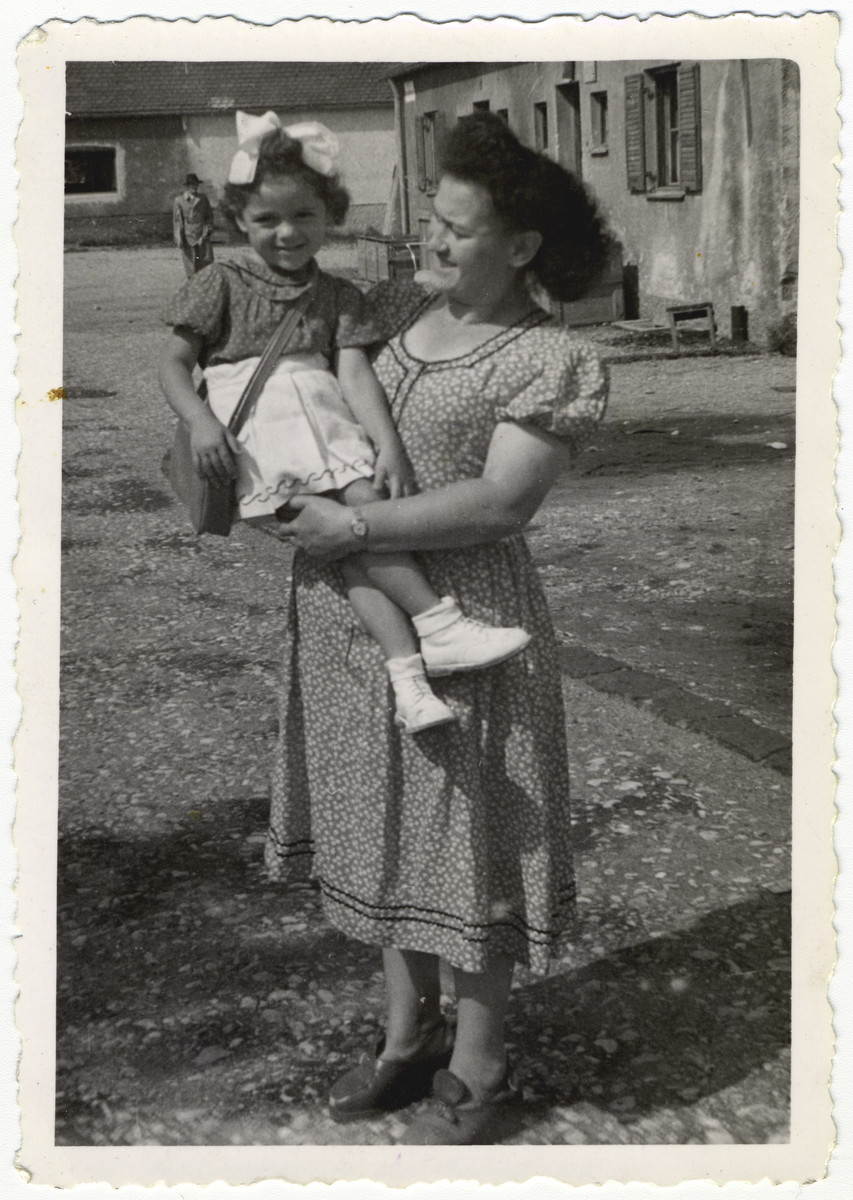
{"type": "Point", "coordinates": [473, 253]}
{"type": "Point", "coordinates": [285, 222]}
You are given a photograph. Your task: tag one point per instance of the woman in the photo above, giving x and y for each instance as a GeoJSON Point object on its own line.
{"type": "Point", "coordinates": [456, 844]}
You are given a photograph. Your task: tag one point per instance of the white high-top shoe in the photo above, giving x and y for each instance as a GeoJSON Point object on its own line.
{"type": "Point", "coordinates": [418, 707]}
{"type": "Point", "coordinates": [452, 642]}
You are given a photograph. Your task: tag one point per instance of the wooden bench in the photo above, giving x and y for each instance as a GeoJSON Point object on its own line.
{"type": "Point", "coordinates": [675, 313]}
{"type": "Point", "coordinates": [702, 310]}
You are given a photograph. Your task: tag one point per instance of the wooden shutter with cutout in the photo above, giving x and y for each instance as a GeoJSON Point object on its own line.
{"type": "Point", "coordinates": [420, 152]}
{"type": "Point", "coordinates": [635, 133]}
{"type": "Point", "coordinates": [439, 134]}
{"type": "Point", "coordinates": [689, 128]}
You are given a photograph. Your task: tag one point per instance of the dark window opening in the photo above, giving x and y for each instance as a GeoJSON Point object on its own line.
{"type": "Point", "coordinates": [667, 128]}
{"type": "Point", "coordinates": [598, 119]}
{"type": "Point", "coordinates": [429, 147]}
{"type": "Point", "coordinates": [540, 125]}
{"type": "Point", "coordinates": [89, 171]}
{"type": "Point", "coordinates": [481, 106]}
{"type": "Point", "coordinates": [503, 113]}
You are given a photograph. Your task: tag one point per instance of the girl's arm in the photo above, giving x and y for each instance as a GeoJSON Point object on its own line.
{"type": "Point", "coordinates": [367, 401]}
{"type": "Point", "coordinates": [212, 445]}
{"type": "Point", "coordinates": [522, 464]}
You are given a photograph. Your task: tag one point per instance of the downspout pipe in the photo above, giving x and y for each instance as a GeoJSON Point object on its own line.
{"type": "Point", "coordinates": [402, 169]}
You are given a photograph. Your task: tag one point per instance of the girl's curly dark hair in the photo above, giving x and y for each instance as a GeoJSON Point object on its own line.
{"type": "Point", "coordinates": [281, 154]}
{"type": "Point", "coordinates": [532, 192]}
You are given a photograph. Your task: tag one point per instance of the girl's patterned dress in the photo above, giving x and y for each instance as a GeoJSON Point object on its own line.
{"type": "Point", "coordinates": [300, 436]}
{"type": "Point", "coordinates": [456, 842]}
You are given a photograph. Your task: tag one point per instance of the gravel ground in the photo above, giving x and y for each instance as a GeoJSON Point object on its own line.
{"type": "Point", "coordinates": [197, 1004]}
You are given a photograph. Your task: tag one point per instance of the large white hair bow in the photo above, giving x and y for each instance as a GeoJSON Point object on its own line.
{"type": "Point", "coordinates": [319, 145]}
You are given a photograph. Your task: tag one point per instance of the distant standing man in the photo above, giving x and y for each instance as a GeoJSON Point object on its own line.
{"type": "Point", "coordinates": [192, 222]}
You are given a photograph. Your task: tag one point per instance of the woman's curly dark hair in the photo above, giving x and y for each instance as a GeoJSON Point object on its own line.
{"type": "Point", "coordinates": [532, 192]}
{"type": "Point", "coordinates": [281, 154]}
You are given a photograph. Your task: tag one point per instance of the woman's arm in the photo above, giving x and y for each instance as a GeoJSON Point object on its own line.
{"type": "Point", "coordinates": [368, 403]}
{"type": "Point", "coordinates": [521, 465]}
{"type": "Point", "coordinates": [212, 445]}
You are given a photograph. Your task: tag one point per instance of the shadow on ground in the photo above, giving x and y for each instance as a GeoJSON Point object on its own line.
{"type": "Point", "coordinates": [189, 988]}
{"type": "Point", "coordinates": [687, 443]}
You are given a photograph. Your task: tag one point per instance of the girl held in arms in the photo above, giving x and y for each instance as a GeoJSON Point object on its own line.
{"type": "Point", "coordinates": [313, 430]}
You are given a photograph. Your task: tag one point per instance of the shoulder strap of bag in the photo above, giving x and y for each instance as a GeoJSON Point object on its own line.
{"type": "Point", "coordinates": [276, 346]}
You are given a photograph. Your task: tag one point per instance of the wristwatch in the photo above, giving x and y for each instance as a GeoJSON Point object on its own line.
{"type": "Point", "coordinates": [358, 525]}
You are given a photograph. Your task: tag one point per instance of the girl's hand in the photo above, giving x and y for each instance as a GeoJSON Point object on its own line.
{"type": "Point", "coordinates": [322, 529]}
{"type": "Point", "coordinates": [393, 471]}
{"type": "Point", "coordinates": [214, 448]}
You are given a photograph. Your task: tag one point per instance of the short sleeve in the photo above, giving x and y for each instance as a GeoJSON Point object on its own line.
{"type": "Point", "coordinates": [200, 305]}
{"type": "Point", "coordinates": [564, 395]}
{"type": "Point", "coordinates": [354, 325]}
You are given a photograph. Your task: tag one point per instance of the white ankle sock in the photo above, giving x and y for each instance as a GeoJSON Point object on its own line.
{"type": "Point", "coordinates": [444, 605]}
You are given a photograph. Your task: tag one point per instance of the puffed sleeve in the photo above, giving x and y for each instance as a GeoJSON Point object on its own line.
{"type": "Point", "coordinates": [200, 305]}
{"type": "Point", "coordinates": [355, 325]}
{"type": "Point", "coordinates": [564, 394]}
{"type": "Point", "coordinates": [392, 302]}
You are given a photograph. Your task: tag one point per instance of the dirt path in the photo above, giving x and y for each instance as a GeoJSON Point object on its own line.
{"type": "Point", "coordinates": [198, 1004]}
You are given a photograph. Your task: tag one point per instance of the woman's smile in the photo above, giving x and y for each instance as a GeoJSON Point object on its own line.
{"type": "Point", "coordinates": [469, 246]}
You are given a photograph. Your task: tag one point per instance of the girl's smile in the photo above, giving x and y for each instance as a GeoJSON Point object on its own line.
{"type": "Point", "coordinates": [285, 222]}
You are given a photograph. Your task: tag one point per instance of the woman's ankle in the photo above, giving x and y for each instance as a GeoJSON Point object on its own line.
{"type": "Point", "coordinates": [411, 1041]}
{"type": "Point", "coordinates": [482, 1075]}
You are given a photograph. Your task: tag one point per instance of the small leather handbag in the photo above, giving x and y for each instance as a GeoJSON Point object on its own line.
{"type": "Point", "coordinates": [212, 507]}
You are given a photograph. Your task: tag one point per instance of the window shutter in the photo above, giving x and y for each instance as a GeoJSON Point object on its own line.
{"type": "Point", "coordinates": [689, 128]}
{"type": "Point", "coordinates": [440, 131]}
{"type": "Point", "coordinates": [420, 153]}
{"type": "Point", "coordinates": [635, 133]}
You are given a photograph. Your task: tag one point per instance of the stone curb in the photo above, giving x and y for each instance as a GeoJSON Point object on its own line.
{"type": "Point", "coordinates": [679, 707]}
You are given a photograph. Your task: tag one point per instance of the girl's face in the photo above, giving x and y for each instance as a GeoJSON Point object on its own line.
{"type": "Point", "coordinates": [285, 222]}
{"type": "Point", "coordinates": [474, 257]}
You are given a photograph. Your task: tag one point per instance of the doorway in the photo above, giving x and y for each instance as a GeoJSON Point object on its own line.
{"type": "Point", "coordinates": [568, 105]}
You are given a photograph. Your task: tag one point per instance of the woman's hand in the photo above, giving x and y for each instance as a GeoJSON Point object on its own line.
{"type": "Point", "coordinates": [323, 528]}
{"type": "Point", "coordinates": [213, 447]}
{"type": "Point", "coordinates": [393, 472]}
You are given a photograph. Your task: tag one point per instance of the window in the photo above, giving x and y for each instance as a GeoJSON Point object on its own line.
{"type": "Point", "coordinates": [666, 128]}
{"type": "Point", "coordinates": [90, 171]}
{"type": "Point", "coordinates": [540, 125]}
{"type": "Point", "coordinates": [663, 141]}
{"type": "Point", "coordinates": [598, 121]}
{"type": "Point", "coordinates": [481, 106]}
{"type": "Point", "coordinates": [430, 128]}
{"type": "Point", "coordinates": [503, 113]}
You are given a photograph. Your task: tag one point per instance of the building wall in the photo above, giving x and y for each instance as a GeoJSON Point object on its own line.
{"type": "Point", "coordinates": [153, 154]}
{"type": "Point", "coordinates": [367, 155]}
{"type": "Point", "coordinates": [150, 161]}
{"type": "Point", "coordinates": [733, 242]}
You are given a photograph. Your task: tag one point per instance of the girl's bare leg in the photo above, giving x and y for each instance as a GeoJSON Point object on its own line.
{"type": "Point", "coordinates": [412, 998]}
{"type": "Point", "coordinates": [397, 575]}
{"type": "Point", "coordinates": [384, 620]}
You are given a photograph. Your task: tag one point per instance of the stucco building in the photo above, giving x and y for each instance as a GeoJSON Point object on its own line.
{"type": "Point", "coordinates": [135, 129]}
{"type": "Point", "coordinates": [695, 164]}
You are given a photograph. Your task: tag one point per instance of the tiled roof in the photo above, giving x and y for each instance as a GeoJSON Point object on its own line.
{"type": "Point", "coordinates": [145, 88]}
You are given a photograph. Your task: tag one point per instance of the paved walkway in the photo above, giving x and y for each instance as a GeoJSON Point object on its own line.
{"type": "Point", "coordinates": [198, 1004]}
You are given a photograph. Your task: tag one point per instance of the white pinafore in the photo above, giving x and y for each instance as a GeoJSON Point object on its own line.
{"type": "Point", "coordinates": [300, 438]}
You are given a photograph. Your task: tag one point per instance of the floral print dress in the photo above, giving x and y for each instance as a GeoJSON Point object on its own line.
{"type": "Point", "coordinates": [458, 841]}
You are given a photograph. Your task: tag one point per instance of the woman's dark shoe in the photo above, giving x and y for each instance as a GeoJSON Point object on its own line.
{"type": "Point", "coordinates": [374, 1086]}
{"type": "Point", "coordinates": [455, 1118]}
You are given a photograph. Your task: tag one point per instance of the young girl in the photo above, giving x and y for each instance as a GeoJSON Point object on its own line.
{"type": "Point", "coordinates": [311, 431]}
